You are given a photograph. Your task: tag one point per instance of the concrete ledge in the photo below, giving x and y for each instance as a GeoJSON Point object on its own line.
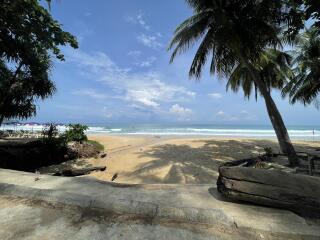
{"type": "Point", "coordinates": [122, 206]}
{"type": "Point", "coordinates": [191, 204]}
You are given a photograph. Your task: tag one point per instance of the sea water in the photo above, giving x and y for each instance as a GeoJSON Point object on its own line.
{"type": "Point", "coordinates": [240, 131]}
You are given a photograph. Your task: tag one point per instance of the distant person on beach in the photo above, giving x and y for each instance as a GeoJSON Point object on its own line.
{"type": "Point", "coordinates": [312, 134]}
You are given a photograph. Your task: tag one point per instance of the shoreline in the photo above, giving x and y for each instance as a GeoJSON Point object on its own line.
{"type": "Point", "coordinates": [206, 136]}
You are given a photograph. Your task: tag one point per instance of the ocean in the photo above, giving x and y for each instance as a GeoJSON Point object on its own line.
{"type": "Point", "coordinates": [240, 131]}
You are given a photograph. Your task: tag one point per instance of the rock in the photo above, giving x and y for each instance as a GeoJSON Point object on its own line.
{"type": "Point", "coordinates": [103, 155]}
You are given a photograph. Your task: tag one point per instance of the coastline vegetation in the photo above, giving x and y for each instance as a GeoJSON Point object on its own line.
{"type": "Point", "coordinates": [51, 148]}
{"type": "Point", "coordinates": [29, 41]}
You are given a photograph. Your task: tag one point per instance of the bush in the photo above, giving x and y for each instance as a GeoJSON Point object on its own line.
{"type": "Point", "coordinates": [268, 151]}
{"type": "Point", "coordinates": [75, 133]}
{"type": "Point", "coordinates": [50, 131]}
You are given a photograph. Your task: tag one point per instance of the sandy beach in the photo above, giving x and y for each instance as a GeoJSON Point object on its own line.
{"type": "Point", "coordinates": [154, 159]}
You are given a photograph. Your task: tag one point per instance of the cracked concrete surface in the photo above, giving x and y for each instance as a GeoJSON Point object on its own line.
{"type": "Point", "coordinates": [84, 208]}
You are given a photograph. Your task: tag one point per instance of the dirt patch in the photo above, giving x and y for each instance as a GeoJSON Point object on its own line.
{"type": "Point", "coordinates": [82, 150]}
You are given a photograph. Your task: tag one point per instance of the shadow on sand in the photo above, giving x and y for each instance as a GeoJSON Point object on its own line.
{"type": "Point", "coordinates": [199, 164]}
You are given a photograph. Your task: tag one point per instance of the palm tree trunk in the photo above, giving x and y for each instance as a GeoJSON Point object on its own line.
{"type": "Point", "coordinates": [279, 127]}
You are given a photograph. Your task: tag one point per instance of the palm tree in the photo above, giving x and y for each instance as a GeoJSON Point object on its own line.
{"type": "Point", "coordinates": [274, 68]}
{"type": "Point", "coordinates": [235, 34]}
{"type": "Point", "coordinates": [305, 85]}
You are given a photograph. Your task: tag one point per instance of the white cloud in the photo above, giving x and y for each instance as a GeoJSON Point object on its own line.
{"type": "Point", "coordinates": [149, 41]}
{"type": "Point", "coordinates": [138, 19]}
{"type": "Point", "coordinates": [242, 115]}
{"type": "Point", "coordinates": [146, 63]}
{"type": "Point", "coordinates": [244, 112]}
{"type": "Point", "coordinates": [215, 95]}
{"type": "Point", "coordinates": [90, 93]}
{"type": "Point", "coordinates": [82, 30]}
{"type": "Point", "coordinates": [95, 60]}
{"type": "Point", "coordinates": [232, 118]}
{"type": "Point", "coordinates": [180, 111]}
{"type": "Point", "coordinates": [150, 91]}
{"type": "Point", "coordinates": [221, 113]}
{"type": "Point", "coordinates": [134, 53]}
{"type": "Point", "coordinates": [146, 89]}
{"type": "Point", "coordinates": [97, 66]}
{"type": "Point", "coordinates": [107, 113]}
{"type": "Point", "coordinates": [225, 116]}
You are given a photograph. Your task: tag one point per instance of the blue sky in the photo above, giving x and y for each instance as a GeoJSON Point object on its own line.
{"type": "Point", "coordinates": [121, 72]}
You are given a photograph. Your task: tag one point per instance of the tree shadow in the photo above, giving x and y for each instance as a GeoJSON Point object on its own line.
{"type": "Point", "coordinates": [187, 164]}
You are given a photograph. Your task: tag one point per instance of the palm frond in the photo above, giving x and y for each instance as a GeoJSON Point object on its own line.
{"type": "Point", "coordinates": [304, 86]}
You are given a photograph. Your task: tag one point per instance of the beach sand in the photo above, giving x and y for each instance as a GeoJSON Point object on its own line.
{"type": "Point", "coordinates": [154, 159]}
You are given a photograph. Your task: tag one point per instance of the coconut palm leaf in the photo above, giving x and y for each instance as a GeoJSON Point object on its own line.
{"type": "Point", "coordinates": [236, 34]}
{"type": "Point", "coordinates": [273, 68]}
{"type": "Point", "coordinates": [305, 84]}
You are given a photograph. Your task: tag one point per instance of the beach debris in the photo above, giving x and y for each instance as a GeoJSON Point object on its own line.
{"type": "Point", "coordinates": [37, 177]}
{"type": "Point", "coordinates": [103, 155]}
{"type": "Point", "coordinates": [78, 172]}
{"type": "Point", "coordinates": [268, 151]}
{"type": "Point", "coordinates": [275, 188]}
{"type": "Point", "coordinates": [259, 164]}
{"type": "Point", "coordinates": [114, 177]}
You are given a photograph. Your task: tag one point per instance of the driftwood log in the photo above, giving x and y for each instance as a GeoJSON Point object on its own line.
{"type": "Point", "coordinates": [78, 172]}
{"type": "Point", "coordinates": [274, 188]}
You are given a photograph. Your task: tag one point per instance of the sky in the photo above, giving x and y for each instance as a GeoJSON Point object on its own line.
{"type": "Point", "coordinates": [121, 72]}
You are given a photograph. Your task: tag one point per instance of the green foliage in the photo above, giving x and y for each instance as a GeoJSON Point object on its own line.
{"type": "Point", "coordinates": [75, 132]}
{"type": "Point", "coordinates": [229, 31]}
{"type": "Point", "coordinates": [233, 31]}
{"type": "Point", "coordinates": [298, 12]}
{"type": "Point", "coordinates": [54, 146]}
{"type": "Point", "coordinates": [243, 39]}
{"type": "Point", "coordinates": [274, 68]}
{"type": "Point", "coordinates": [305, 84]}
{"type": "Point", "coordinates": [268, 151]}
{"type": "Point", "coordinates": [52, 142]}
{"type": "Point", "coordinates": [50, 131]}
{"type": "Point", "coordinates": [29, 36]}
{"type": "Point", "coordinates": [98, 145]}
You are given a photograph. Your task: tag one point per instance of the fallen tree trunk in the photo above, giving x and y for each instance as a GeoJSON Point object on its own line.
{"type": "Point", "coordinates": [274, 188]}
{"type": "Point", "coordinates": [78, 172]}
